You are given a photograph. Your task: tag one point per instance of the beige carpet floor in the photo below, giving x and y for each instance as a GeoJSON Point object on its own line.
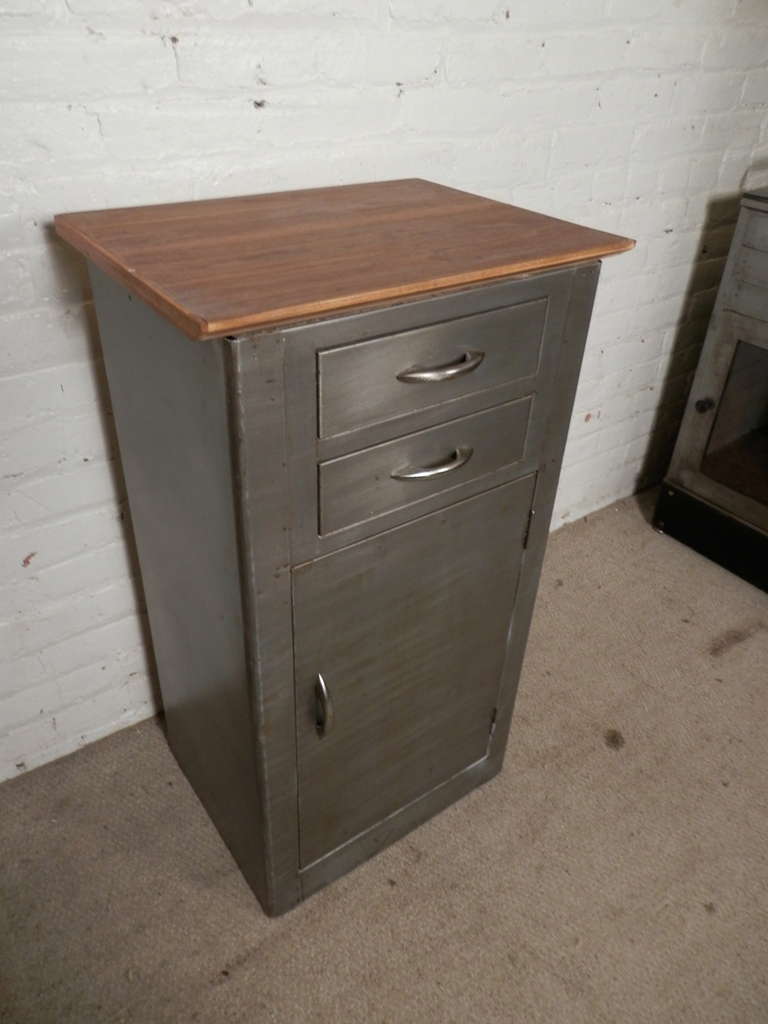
{"type": "Point", "coordinates": [617, 870]}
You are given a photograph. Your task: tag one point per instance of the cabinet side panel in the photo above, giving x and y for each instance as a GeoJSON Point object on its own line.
{"type": "Point", "coordinates": [169, 397]}
{"type": "Point", "coordinates": [560, 401]}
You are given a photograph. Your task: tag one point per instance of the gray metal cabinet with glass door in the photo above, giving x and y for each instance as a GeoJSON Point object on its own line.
{"type": "Point", "coordinates": [715, 494]}
{"type": "Point", "coordinates": [340, 492]}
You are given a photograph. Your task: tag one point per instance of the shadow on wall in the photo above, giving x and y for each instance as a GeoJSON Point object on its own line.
{"type": "Point", "coordinates": [72, 270]}
{"type": "Point", "coordinates": [716, 235]}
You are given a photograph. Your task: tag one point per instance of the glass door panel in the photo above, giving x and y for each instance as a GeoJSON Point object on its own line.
{"type": "Point", "coordinates": [737, 450]}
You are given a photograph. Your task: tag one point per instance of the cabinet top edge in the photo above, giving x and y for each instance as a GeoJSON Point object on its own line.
{"type": "Point", "coordinates": [221, 266]}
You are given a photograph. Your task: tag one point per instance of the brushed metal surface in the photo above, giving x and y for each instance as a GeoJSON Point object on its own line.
{"type": "Point", "coordinates": [569, 350]}
{"type": "Point", "coordinates": [411, 626]}
{"type": "Point", "coordinates": [396, 825]}
{"type": "Point", "coordinates": [221, 452]}
{"type": "Point", "coordinates": [265, 518]}
{"type": "Point", "coordinates": [170, 400]}
{"type": "Point", "coordinates": [358, 384]}
{"type": "Point", "coordinates": [564, 348]}
{"type": "Point", "coordinates": [305, 344]}
{"type": "Point", "coordinates": [365, 484]}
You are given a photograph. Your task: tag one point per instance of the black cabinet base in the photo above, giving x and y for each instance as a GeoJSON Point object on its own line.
{"type": "Point", "coordinates": [740, 548]}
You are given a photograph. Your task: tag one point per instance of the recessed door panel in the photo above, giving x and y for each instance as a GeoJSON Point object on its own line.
{"type": "Point", "coordinates": [399, 647]}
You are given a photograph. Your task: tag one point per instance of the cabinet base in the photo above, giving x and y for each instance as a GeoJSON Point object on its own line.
{"type": "Point", "coordinates": [740, 548]}
{"type": "Point", "coordinates": [397, 825]}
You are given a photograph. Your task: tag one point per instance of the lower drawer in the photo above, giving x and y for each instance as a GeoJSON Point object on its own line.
{"type": "Point", "coordinates": [357, 487]}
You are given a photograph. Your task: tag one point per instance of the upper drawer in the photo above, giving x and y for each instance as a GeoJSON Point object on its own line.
{"type": "Point", "coordinates": [377, 380]}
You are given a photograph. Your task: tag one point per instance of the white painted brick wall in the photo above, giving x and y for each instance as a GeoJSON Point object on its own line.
{"type": "Point", "coordinates": [643, 118]}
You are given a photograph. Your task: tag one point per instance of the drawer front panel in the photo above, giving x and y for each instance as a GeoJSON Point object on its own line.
{"type": "Point", "coordinates": [408, 631]}
{"type": "Point", "coordinates": [377, 380]}
{"type": "Point", "coordinates": [365, 484]}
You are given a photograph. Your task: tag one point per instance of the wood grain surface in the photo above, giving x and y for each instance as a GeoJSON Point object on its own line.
{"type": "Point", "coordinates": [224, 265]}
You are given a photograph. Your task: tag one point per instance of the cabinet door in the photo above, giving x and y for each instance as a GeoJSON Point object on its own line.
{"type": "Point", "coordinates": [408, 631]}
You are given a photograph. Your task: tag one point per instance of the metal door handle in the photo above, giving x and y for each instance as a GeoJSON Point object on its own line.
{"type": "Point", "coordinates": [323, 707]}
{"type": "Point", "coordinates": [468, 362]}
{"type": "Point", "coordinates": [459, 457]}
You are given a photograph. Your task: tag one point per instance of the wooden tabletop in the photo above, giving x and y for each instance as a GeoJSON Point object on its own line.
{"type": "Point", "coordinates": [222, 266]}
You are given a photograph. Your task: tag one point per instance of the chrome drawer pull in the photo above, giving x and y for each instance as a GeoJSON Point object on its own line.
{"type": "Point", "coordinates": [459, 457]}
{"type": "Point", "coordinates": [324, 707]}
{"type": "Point", "coordinates": [424, 374]}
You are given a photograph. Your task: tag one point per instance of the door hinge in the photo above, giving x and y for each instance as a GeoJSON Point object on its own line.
{"type": "Point", "coordinates": [528, 525]}
{"type": "Point", "coordinates": [492, 726]}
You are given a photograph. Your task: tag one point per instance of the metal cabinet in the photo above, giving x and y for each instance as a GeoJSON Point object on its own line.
{"type": "Point", "coordinates": [340, 524]}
